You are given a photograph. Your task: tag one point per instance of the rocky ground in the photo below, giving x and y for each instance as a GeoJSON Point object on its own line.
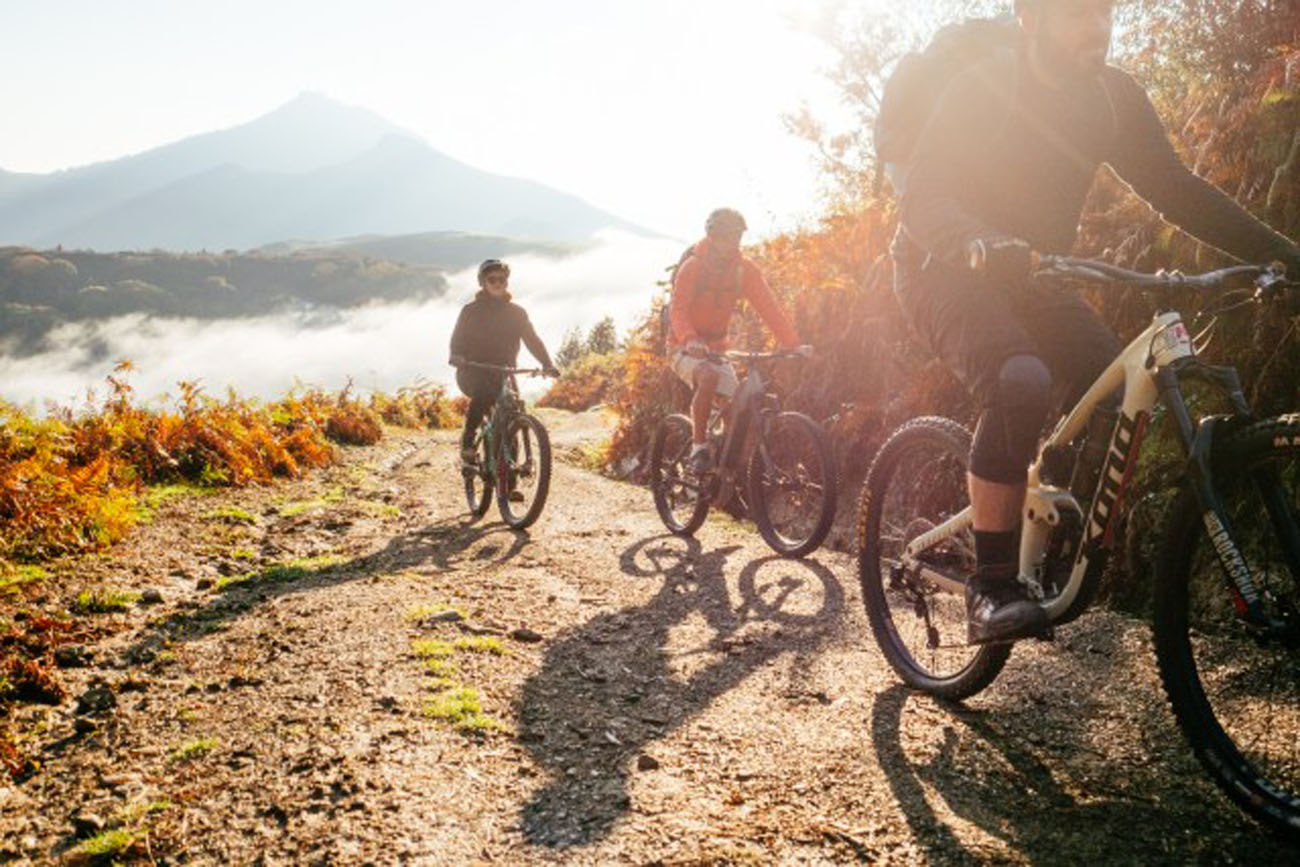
{"type": "Point", "coordinates": [344, 670]}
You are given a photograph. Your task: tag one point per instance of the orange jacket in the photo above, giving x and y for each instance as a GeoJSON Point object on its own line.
{"type": "Point", "coordinates": [705, 295]}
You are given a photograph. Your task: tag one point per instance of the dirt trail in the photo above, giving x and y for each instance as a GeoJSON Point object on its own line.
{"type": "Point", "coordinates": [658, 700]}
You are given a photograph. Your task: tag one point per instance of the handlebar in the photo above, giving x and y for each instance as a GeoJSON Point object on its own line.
{"type": "Point", "coordinates": [1270, 282]}
{"type": "Point", "coordinates": [1092, 271]}
{"type": "Point", "coordinates": [498, 368]}
{"type": "Point", "coordinates": [750, 357]}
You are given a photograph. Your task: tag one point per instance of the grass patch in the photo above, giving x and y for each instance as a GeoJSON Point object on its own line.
{"type": "Point", "coordinates": [332, 497]}
{"type": "Point", "coordinates": [430, 648]}
{"type": "Point", "coordinates": [13, 577]}
{"type": "Point", "coordinates": [279, 573]}
{"type": "Point", "coordinates": [481, 644]}
{"type": "Point", "coordinates": [195, 749]}
{"type": "Point", "coordinates": [133, 813]}
{"type": "Point", "coordinates": [461, 707]}
{"type": "Point", "coordinates": [442, 669]}
{"type": "Point", "coordinates": [243, 554]}
{"type": "Point", "coordinates": [107, 844]}
{"type": "Point", "coordinates": [156, 496]}
{"type": "Point", "coordinates": [231, 515]}
{"type": "Point", "coordinates": [419, 612]}
{"type": "Point", "coordinates": [103, 601]}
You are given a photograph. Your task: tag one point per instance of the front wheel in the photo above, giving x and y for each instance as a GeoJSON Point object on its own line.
{"type": "Point", "coordinates": [679, 495]}
{"type": "Point", "coordinates": [916, 483]}
{"type": "Point", "coordinates": [792, 484]}
{"type": "Point", "coordinates": [523, 471]}
{"type": "Point", "coordinates": [1234, 687]}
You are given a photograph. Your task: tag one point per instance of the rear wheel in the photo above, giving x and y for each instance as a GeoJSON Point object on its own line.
{"type": "Point", "coordinates": [523, 471]}
{"type": "Point", "coordinates": [792, 484]}
{"type": "Point", "coordinates": [916, 482]}
{"type": "Point", "coordinates": [678, 494]}
{"type": "Point", "coordinates": [478, 486]}
{"type": "Point", "coordinates": [1235, 688]}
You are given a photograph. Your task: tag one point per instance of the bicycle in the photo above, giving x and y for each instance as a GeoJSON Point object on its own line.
{"type": "Point", "coordinates": [787, 464]}
{"type": "Point", "coordinates": [1227, 593]}
{"type": "Point", "coordinates": [513, 456]}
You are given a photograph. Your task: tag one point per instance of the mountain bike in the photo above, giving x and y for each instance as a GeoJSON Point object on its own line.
{"type": "Point", "coordinates": [786, 464]}
{"type": "Point", "coordinates": [1227, 591]}
{"type": "Point", "coordinates": [513, 455]}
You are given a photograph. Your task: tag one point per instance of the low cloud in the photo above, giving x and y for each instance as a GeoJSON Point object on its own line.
{"type": "Point", "coordinates": [380, 346]}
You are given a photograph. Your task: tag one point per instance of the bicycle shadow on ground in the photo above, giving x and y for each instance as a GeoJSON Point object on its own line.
{"type": "Point", "coordinates": [441, 547]}
{"type": "Point", "coordinates": [614, 685]}
{"type": "Point", "coordinates": [1053, 799]}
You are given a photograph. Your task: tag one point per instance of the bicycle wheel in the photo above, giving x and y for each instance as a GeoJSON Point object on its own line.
{"type": "Point", "coordinates": [523, 471]}
{"type": "Point", "coordinates": [792, 484]}
{"type": "Point", "coordinates": [916, 482]}
{"type": "Point", "coordinates": [1235, 689]}
{"type": "Point", "coordinates": [679, 499]}
{"type": "Point", "coordinates": [478, 486]}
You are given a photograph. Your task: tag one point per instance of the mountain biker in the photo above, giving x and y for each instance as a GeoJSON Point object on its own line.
{"type": "Point", "coordinates": [1001, 169]}
{"type": "Point", "coordinates": [706, 287]}
{"type": "Point", "coordinates": [488, 331]}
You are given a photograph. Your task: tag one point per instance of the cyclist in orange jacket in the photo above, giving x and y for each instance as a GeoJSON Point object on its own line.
{"type": "Point", "coordinates": [706, 287]}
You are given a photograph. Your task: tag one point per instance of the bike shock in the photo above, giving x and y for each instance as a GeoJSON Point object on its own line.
{"type": "Point", "coordinates": [1096, 442]}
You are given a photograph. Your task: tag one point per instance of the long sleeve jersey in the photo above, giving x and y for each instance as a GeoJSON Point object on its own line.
{"type": "Point", "coordinates": [489, 330]}
{"type": "Point", "coordinates": [705, 291]}
{"type": "Point", "coordinates": [1006, 154]}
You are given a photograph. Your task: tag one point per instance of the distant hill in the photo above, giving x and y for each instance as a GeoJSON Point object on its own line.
{"type": "Point", "coordinates": [313, 169]}
{"type": "Point", "coordinates": [447, 251]}
{"type": "Point", "coordinates": [41, 290]}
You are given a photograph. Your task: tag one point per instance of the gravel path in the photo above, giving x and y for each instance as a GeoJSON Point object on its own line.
{"type": "Point", "coordinates": [642, 699]}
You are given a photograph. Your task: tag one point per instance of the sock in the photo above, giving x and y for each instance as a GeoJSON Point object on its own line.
{"type": "Point", "coordinates": [995, 548]}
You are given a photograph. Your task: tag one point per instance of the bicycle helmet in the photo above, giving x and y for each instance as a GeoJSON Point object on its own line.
{"type": "Point", "coordinates": [723, 219]}
{"type": "Point", "coordinates": [490, 265]}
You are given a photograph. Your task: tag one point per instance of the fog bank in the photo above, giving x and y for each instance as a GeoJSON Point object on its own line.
{"type": "Point", "coordinates": [378, 347]}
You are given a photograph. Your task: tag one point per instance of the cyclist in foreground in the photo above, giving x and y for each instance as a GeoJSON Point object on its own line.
{"type": "Point", "coordinates": [489, 331]}
{"type": "Point", "coordinates": [1001, 170]}
{"type": "Point", "coordinates": [707, 285]}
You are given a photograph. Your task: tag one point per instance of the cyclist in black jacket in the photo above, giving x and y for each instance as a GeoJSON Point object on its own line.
{"type": "Point", "coordinates": [489, 331]}
{"type": "Point", "coordinates": [1002, 168]}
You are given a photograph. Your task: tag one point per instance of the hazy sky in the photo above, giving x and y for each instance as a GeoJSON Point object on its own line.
{"type": "Point", "coordinates": [656, 110]}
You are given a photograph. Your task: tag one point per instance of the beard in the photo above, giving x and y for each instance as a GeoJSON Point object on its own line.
{"type": "Point", "coordinates": [1069, 65]}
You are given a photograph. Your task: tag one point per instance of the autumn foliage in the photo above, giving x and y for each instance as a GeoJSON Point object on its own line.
{"type": "Point", "coordinates": [69, 481]}
{"type": "Point", "coordinates": [1225, 76]}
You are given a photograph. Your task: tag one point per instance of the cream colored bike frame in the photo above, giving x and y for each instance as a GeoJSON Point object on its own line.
{"type": "Point", "coordinates": [1163, 342]}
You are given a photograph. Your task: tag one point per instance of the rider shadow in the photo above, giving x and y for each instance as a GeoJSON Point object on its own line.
{"type": "Point", "coordinates": [982, 768]}
{"type": "Point", "coordinates": [613, 686]}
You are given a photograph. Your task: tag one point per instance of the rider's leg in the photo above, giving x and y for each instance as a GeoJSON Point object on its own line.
{"type": "Point", "coordinates": [706, 388]}
{"type": "Point", "coordinates": [478, 388]}
{"type": "Point", "coordinates": [1003, 446]}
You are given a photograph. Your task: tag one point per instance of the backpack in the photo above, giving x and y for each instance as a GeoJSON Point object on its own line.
{"type": "Point", "coordinates": [665, 334]}
{"type": "Point", "coordinates": [914, 89]}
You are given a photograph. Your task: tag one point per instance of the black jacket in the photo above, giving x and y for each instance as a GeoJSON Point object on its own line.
{"type": "Point", "coordinates": [1005, 154]}
{"type": "Point", "coordinates": [489, 330]}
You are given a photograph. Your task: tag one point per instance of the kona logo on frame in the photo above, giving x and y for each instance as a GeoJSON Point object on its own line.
{"type": "Point", "coordinates": [1112, 477]}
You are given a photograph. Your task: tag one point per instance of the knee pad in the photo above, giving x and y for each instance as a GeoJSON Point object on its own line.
{"type": "Point", "coordinates": [1009, 426]}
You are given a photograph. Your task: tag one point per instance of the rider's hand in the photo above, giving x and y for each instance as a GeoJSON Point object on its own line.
{"type": "Point", "coordinates": [1005, 261]}
{"type": "Point", "coordinates": [553, 372]}
{"type": "Point", "coordinates": [804, 351]}
{"type": "Point", "coordinates": [697, 349]}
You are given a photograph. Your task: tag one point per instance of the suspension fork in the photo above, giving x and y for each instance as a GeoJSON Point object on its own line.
{"type": "Point", "coordinates": [1198, 441]}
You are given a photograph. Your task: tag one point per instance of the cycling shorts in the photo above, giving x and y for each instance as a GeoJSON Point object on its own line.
{"type": "Point", "coordinates": [685, 365]}
{"type": "Point", "coordinates": [974, 327]}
